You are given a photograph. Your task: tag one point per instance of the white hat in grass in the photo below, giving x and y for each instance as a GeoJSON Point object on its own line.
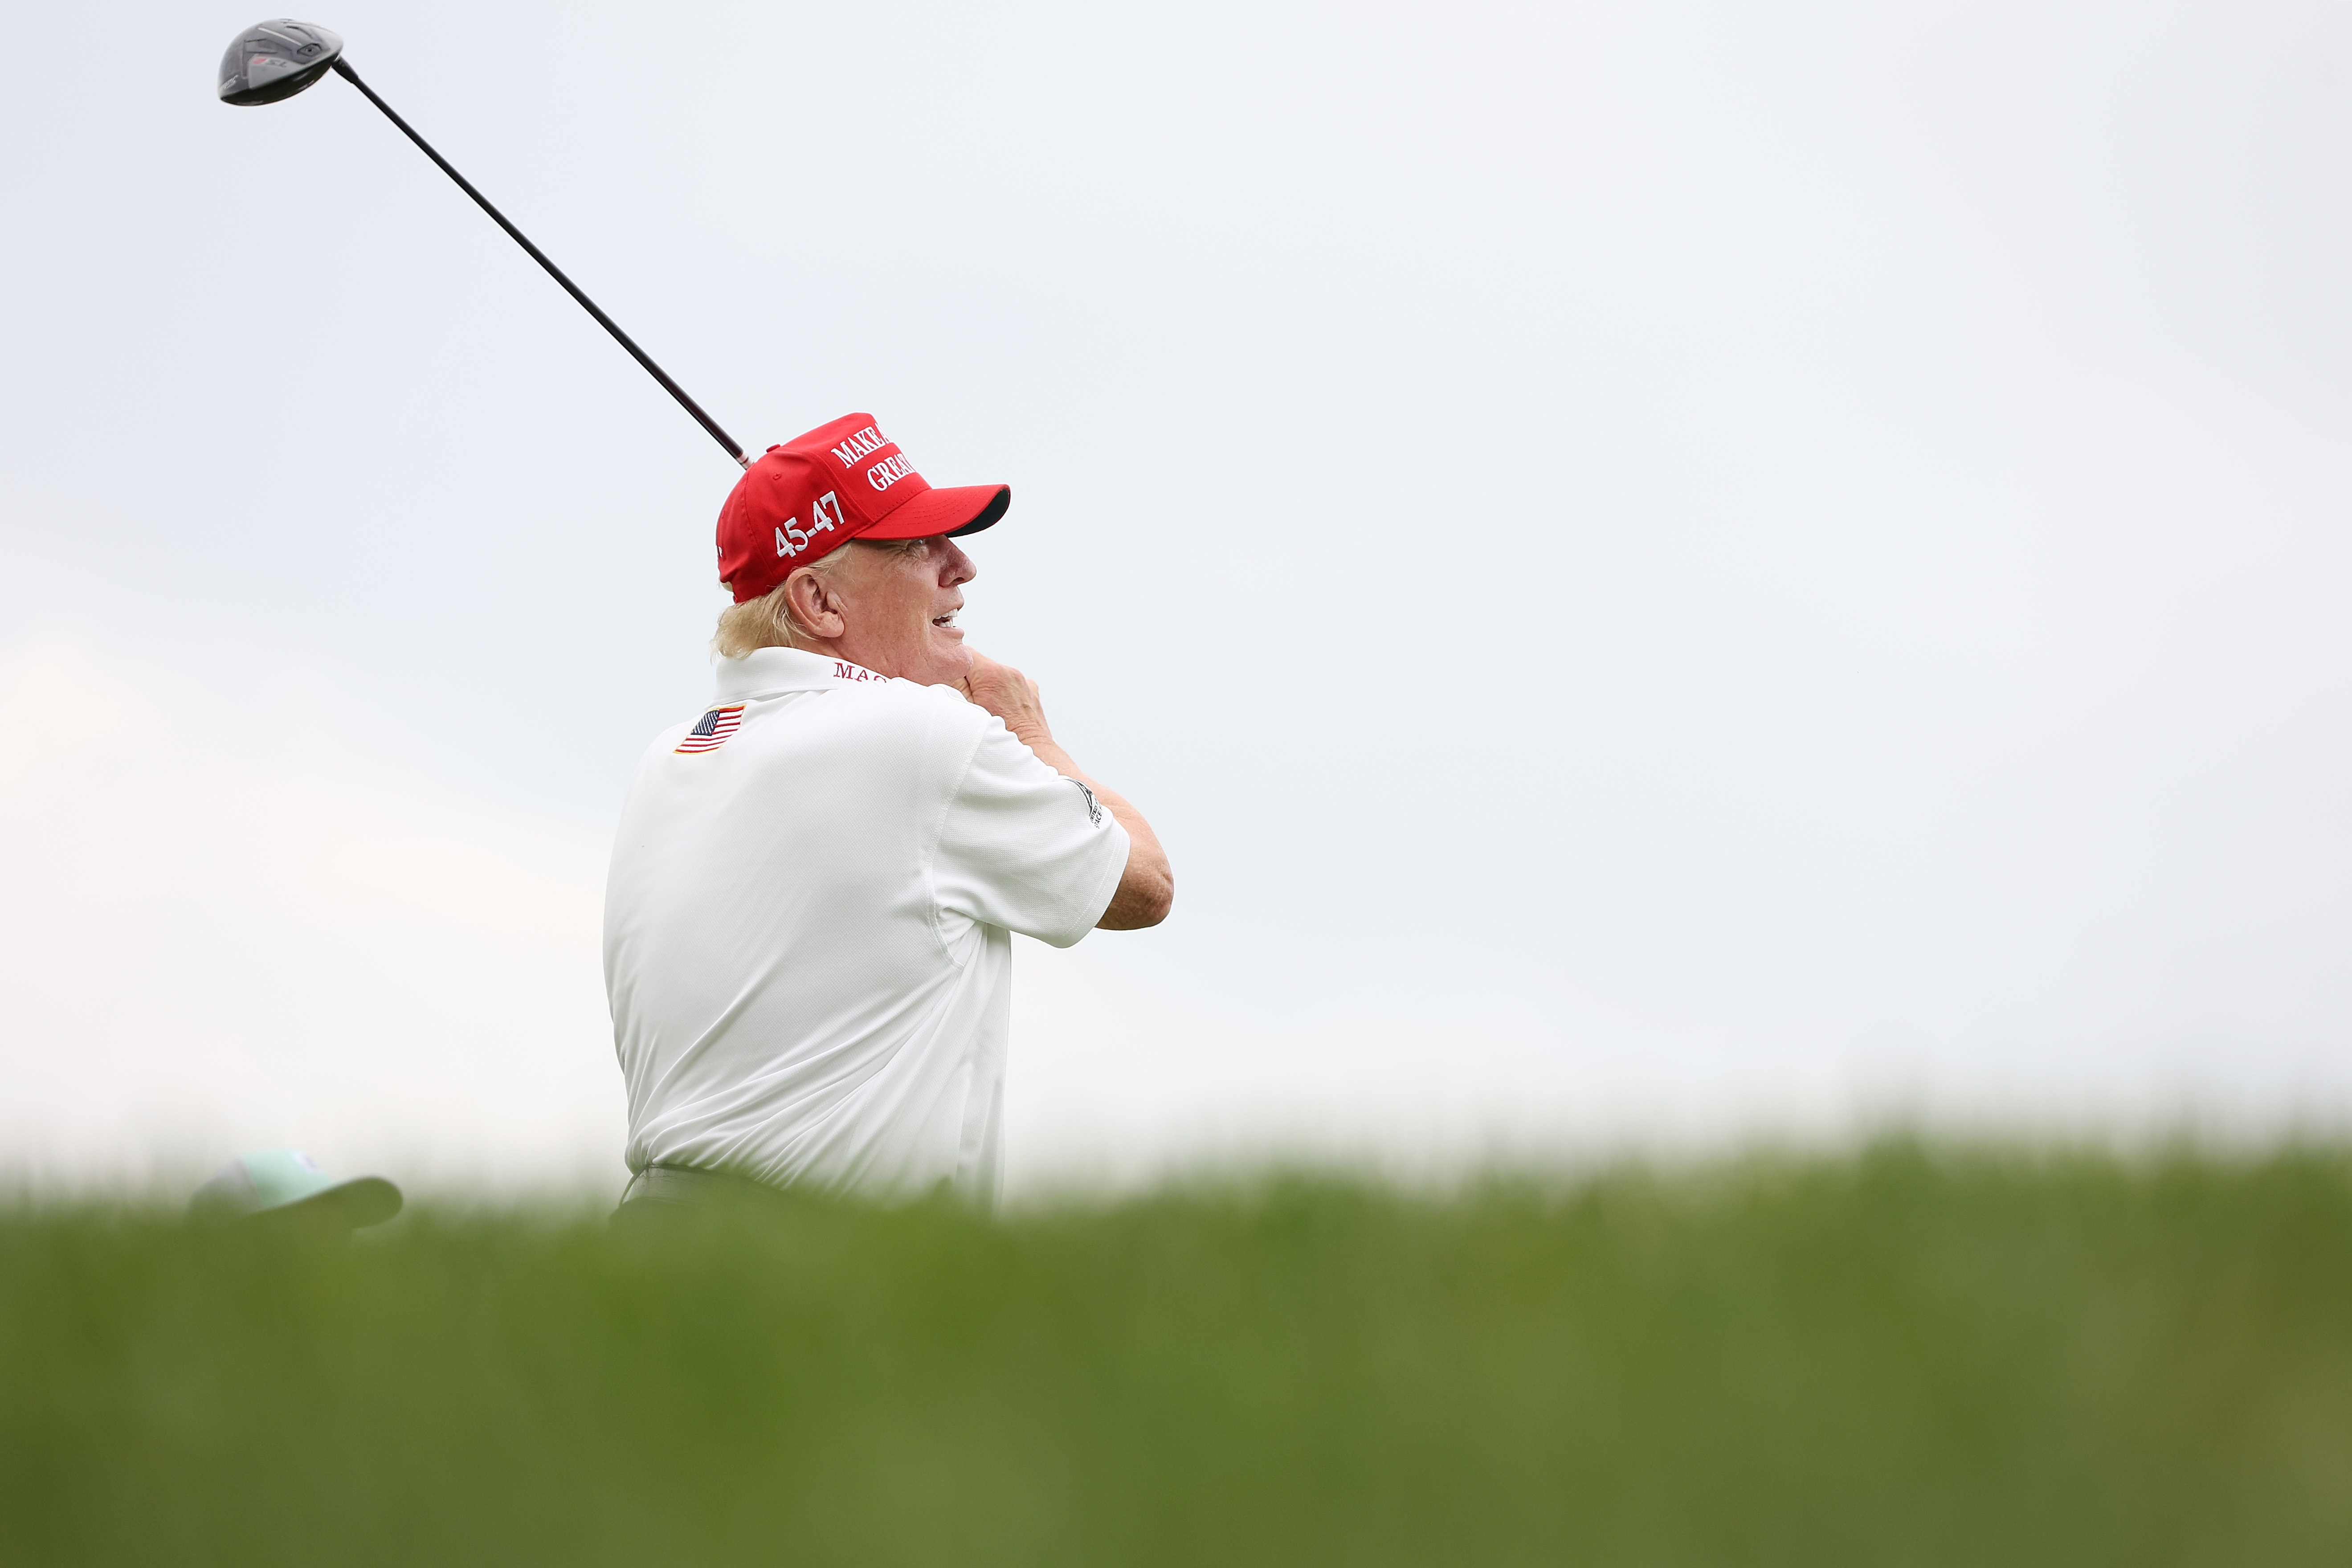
{"type": "Point", "coordinates": [278, 1181]}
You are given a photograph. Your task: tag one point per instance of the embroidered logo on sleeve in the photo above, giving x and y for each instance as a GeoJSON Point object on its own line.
{"type": "Point", "coordinates": [1094, 810]}
{"type": "Point", "coordinates": [712, 731]}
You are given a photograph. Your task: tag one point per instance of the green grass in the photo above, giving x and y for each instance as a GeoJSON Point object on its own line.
{"type": "Point", "coordinates": [1909, 1357]}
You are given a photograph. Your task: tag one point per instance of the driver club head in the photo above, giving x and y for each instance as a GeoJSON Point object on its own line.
{"type": "Point", "coordinates": [271, 60]}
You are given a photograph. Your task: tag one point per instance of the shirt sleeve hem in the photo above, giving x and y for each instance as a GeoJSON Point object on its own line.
{"type": "Point", "coordinates": [1101, 902]}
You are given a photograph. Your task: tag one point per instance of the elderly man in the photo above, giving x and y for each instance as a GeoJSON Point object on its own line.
{"type": "Point", "coordinates": [807, 926]}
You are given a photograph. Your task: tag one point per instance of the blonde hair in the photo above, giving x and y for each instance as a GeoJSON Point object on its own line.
{"type": "Point", "coordinates": [769, 622]}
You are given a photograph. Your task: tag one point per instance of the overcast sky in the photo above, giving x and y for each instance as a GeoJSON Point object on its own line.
{"type": "Point", "coordinates": [1666, 573]}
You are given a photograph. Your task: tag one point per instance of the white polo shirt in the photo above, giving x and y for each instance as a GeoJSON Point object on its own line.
{"type": "Point", "coordinates": [806, 926]}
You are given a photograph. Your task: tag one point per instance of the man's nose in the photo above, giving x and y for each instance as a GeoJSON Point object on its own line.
{"type": "Point", "coordinates": [958, 569]}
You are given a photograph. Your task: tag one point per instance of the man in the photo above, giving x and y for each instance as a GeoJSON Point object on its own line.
{"type": "Point", "coordinates": [806, 928]}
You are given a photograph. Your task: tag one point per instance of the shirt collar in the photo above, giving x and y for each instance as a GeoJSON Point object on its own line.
{"type": "Point", "coordinates": [770, 671]}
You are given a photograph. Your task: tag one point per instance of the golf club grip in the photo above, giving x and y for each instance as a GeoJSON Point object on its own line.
{"type": "Point", "coordinates": [342, 68]}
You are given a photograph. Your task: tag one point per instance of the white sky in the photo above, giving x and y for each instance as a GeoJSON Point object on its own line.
{"type": "Point", "coordinates": [1666, 573]}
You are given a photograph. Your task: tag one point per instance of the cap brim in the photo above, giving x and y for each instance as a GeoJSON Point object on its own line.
{"type": "Point", "coordinates": [359, 1202]}
{"type": "Point", "coordinates": [954, 511]}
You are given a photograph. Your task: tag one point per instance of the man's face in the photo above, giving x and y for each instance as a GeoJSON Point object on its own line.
{"type": "Point", "coordinates": [899, 602]}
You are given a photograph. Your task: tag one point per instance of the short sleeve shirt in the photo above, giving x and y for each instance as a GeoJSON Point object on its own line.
{"type": "Point", "coordinates": [806, 927]}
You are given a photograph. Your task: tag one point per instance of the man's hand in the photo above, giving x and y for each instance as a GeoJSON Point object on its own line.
{"type": "Point", "coordinates": [1012, 696]}
{"type": "Point", "coordinates": [1147, 890]}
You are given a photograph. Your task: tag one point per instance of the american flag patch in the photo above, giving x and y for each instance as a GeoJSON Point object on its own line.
{"type": "Point", "coordinates": [712, 731]}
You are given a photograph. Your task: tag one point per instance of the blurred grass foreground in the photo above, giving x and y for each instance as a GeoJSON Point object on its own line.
{"type": "Point", "coordinates": [1904, 1357]}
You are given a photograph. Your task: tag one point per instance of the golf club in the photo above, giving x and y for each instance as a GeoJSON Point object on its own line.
{"type": "Point", "coordinates": [275, 60]}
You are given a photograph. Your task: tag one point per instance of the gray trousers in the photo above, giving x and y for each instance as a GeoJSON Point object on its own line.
{"type": "Point", "coordinates": [664, 1193]}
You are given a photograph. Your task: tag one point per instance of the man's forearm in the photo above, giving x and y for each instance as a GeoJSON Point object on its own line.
{"type": "Point", "coordinates": [1147, 889]}
{"type": "Point", "coordinates": [1148, 886]}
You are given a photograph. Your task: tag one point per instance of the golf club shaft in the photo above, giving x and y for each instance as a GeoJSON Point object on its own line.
{"type": "Point", "coordinates": [342, 68]}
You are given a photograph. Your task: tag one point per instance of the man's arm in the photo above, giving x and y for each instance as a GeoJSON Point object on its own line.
{"type": "Point", "coordinates": [1147, 888]}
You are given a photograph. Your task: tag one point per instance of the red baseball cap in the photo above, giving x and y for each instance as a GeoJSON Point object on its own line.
{"type": "Point", "coordinates": [806, 498]}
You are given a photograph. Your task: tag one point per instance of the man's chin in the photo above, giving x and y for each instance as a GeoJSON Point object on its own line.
{"type": "Point", "coordinates": [950, 660]}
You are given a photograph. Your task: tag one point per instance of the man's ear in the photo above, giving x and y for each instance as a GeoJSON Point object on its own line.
{"type": "Point", "coordinates": [814, 604]}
